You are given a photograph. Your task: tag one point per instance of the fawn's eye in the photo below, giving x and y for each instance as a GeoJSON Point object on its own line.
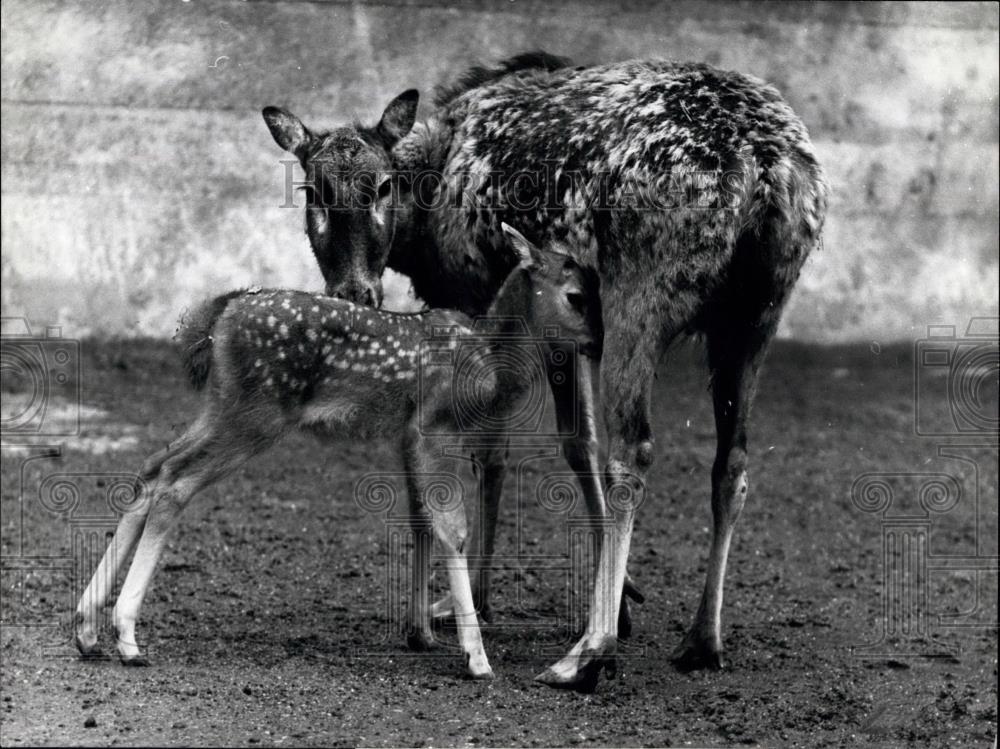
{"type": "Point", "coordinates": [577, 300]}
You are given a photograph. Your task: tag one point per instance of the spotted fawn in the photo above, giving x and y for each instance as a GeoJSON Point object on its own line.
{"type": "Point", "coordinates": [271, 361]}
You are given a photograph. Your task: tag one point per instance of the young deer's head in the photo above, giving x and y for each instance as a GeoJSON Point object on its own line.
{"type": "Point", "coordinates": [550, 291]}
{"type": "Point", "coordinates": [351, 213]}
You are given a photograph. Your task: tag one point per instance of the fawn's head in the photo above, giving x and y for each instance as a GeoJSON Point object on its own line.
{"type": "Point", "coordinates": [551, 291]}
{"type": "Point", "coordinates": [351, 211]}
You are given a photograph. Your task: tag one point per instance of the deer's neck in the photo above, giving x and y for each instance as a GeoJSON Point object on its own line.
{"type": "Point", "coordinates": [448, 268]}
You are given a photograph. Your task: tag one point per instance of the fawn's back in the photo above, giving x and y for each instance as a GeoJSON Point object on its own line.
{"type": "Point", "coordinates": [293, 358]}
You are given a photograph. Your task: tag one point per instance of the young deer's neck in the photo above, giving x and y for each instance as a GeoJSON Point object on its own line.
{"type": "Point", "coordinates": [513, 303]}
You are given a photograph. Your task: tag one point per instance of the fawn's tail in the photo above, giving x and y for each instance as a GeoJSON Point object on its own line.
{"type": "Point", "coordinates": [194, 335]}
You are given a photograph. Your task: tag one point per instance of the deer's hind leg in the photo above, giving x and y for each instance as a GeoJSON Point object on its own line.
{"type": "Point", "coordinates": [738, 337]}
{"type": "Point", "coordinates": [212, 448]}
{"type": "Point", "coordinates": [105, 577]}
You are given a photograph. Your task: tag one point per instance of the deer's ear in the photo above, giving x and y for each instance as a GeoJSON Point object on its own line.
{"type": "Point", "coordinates": [398, 118]}
{"type": "Point", "coordinates": [527, 254]}
{"type": "Point", "coordinates": [287, 129]}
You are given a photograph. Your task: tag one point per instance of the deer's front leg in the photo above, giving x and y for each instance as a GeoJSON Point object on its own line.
{"type": "Point", "coordinates": [576, 402]}
{"type": "Point", "coordinates": [626, 374]}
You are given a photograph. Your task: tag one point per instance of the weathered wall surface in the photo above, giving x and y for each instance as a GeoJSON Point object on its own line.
{"type": "Point", "coordinates": [138, 175]}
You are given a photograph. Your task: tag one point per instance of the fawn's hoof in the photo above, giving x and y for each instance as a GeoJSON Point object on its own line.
{"type": "Point", "coordinates": [419, 641]}
{"type": "Point", "coordinates": [697, 652]}
{"type": "Point", "coordinates": [582, 672]}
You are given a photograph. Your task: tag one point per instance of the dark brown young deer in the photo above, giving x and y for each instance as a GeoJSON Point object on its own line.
{"type": "Point", "coordinates": [574, 154]}
{"type": "Point", "coordinates": [280, 360]}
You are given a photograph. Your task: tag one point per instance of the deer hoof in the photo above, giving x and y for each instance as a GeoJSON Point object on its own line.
{"type": "Point", "coordinates": [581, 673]}
{"type": "Point", "coordinates": [478, 668]}
{"type": "Point", "coordinates": [135, 661]}
{"type": "Point", "coordinates": [698, 652]}
{"type": "Point", "coordinates": [419, 641]}
{"type": "Point", "coordinates": [88, 646]}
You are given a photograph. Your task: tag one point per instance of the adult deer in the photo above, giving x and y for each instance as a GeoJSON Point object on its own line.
{"type": "Point", "coordinates": [279, 360]}
{"type": "Point", "coordinates": [576, 154]}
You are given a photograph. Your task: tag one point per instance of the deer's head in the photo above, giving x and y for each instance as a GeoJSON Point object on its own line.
{"type": "Point", "coordinates": [551, 291]}
{"type": "Point", "coordinates": [352, 206]}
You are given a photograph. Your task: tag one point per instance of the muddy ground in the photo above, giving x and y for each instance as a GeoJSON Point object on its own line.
{"type": "Point", "coordinates": [267, 622]}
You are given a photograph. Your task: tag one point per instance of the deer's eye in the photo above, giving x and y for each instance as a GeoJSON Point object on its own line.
{"type": "Point", "coordinates": [326, 194]}
{"type": "Point", "coordinates": [577, 300]}
{"type": "Point", "coordinates": [384, 189]}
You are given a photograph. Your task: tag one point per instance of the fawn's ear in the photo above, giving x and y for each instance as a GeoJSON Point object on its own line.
{"type": "Point", "coordinates": [398, 118]}
{"type": "Point", "coordinates": [527, 254]}
{"type": "Point", "coordinates": [286, 129]}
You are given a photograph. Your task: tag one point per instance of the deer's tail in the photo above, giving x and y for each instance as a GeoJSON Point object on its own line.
{"type": "Point", "coordinates": [194, 336]}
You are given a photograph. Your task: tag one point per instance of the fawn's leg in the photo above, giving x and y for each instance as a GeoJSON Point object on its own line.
{"type": "Point", "coordinates": [492, 462]}
{"type": "Point", "coordinates": [215, 450]}
{"type": "Point", "coordinates": [632, 347]}
{"type": "Point", "coordinates": [450, 530]}
{"type": "Point", "coordinates": [494, 470]}
{"type": "Point", "coordinates": [419, 636]}
{"type": "Point", "coordinates": [126, 537]}
{"type": "Point", "coordinates": [88, 610]}
{"type": "Point", "coordinates": [445, 514]}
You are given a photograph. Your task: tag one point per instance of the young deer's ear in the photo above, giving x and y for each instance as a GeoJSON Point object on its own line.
{"type": "Point", "coordinates": [398, 118]}
{"type": "Point", "coordinates": [287, 129]}
{"type": "Point", "coordinates": [527, 254]}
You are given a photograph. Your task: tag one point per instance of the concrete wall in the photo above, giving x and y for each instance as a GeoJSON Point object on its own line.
{"type": "Point", "coordinates": [138, 175]}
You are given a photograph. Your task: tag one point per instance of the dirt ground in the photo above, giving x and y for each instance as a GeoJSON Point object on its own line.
{"type": "Point", "coordinates": [269, 620]}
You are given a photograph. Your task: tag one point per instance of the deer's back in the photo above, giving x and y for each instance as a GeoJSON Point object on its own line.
{"type": "Point", "coordinates": [727, 147]}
